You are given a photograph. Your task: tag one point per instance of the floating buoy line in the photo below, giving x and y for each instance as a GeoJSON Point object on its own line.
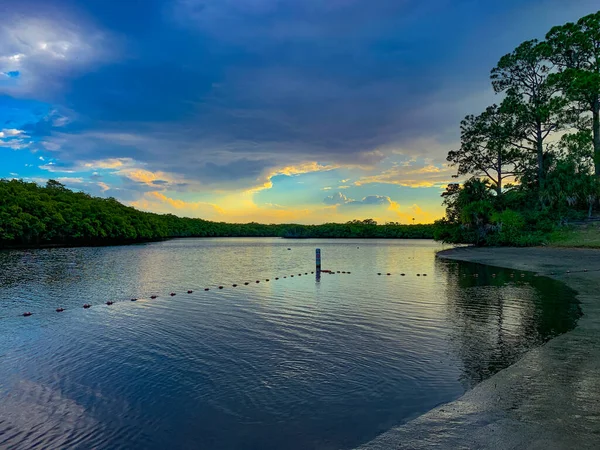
{"type": "Point", "coordinates": [221, 287]}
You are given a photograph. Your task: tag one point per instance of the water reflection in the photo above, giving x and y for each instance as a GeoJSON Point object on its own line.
{"type": "Point", "coordinates": [498, 314]}
{"type": "Point", "coordinates": [294, 363]}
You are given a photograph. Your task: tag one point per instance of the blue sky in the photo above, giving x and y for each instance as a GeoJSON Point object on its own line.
{"type": "Point", "coordinates": [254, 110]}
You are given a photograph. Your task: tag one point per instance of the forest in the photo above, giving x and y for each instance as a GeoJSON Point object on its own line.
{"type": "Point", "coordinates": [33, 216]}
{"type": "Point", "coordinates": [531, 163]}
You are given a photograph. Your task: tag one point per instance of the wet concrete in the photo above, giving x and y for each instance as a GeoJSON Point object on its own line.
{"type": "Point", "coordinates": [549, 399]}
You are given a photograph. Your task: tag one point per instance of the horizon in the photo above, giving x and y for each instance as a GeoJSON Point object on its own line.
{"type": "Point", "coordinates": [265, 111]}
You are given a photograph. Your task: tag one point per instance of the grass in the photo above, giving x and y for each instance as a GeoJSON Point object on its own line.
{"type": "Point", "coordinates": [581, 236]}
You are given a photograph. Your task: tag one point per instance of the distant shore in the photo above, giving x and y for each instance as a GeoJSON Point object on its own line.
{"type": "Point", "coordinates": [550, 399]}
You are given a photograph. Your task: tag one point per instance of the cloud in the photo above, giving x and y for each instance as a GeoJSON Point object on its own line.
{"type": "Point", "coordinates": [336, 199]}
{"type": "Point", "coordinates": [37, 50]}
{"type": "Point", "coordinates": [412, 174]}
{"type": "Point", "coordinates": [10, 132]}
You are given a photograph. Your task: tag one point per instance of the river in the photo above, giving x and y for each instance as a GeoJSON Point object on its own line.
{"type": "Point", "coordinates": [297, 362]}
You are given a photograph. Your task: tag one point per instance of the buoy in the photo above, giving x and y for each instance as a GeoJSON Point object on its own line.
{"type": "Point", "coordinates": [568, 271]}
{"type": "Point", "coordinates": [60, 309]}
{"type": "Point", "coordinates": [343, 271]}
{"type": "Point", "coordinates": [418, 274]}
{"type": "Point", "coordinates": [267, 279]}
{"type": "Point", "coordinates": [108, 303]}
{"type": "Point", "coordinates": [388, 274]}
{"type": "Point", "coordinates": [220, 287]}
{"type": "Point", "coordinates": [347, 272]}
{"type": "Point", "coordinates": [338, 271]}
{"type": "Point", "coordinates": [173, 294]}
{"type": "Point", "coordinates": [292, 276]}
{"type": "Point", "coordinates": [585, 270]}
{"type": "Point", "coordinates": [312, 272]}
{"type": "Point", "coordinates": [284, 277]}
{"type": "Point", "coordinates": [206, 289]}
{"type": "Point", "coordinates": [246, 283]}
{"type": "Point", "coordinates": [289, 248]}
{"type": "Point", "coordinates": [402, 274]}
{"type": "Point", "coordinates": [258, 281]}
{"type": "Point", "coordinates": [305, 273]}
{"type": "Point", "coordinates": [277, 278]}
{"type": "Point", "coordinates": [234, 285]}
{"type": "Point", "coordinates": [134, 299]}
{"type": "Point", "coordinates": [189, 292]}
{"type": "Point", "coordinates": [424, 274]}
{"type": "Point", "coordinates": [379, 273]}
{"type": "Point", "coordinates": [153, 297]}
{"type": "Point", "coordinates": [87, 305]}
{"type": "Point", "coordinates": [26, 314]}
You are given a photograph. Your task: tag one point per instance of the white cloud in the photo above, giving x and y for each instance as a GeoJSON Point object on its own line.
{"type": "Point", "coordinates": [45, 51]}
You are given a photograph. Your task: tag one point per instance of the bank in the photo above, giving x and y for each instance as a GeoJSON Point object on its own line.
{"type": "Point", "coordinates": [550, 398]}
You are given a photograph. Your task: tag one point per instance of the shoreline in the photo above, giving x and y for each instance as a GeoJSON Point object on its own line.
{"type": "Point", "coordinates": [550, 398]}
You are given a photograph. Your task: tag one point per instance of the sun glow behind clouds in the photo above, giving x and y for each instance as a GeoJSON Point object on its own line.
{"type": "Point", "coordinates": [252, 110]}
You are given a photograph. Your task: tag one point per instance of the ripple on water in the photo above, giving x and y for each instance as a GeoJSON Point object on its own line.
{"type": "Point", "coordinates": [294, 363]}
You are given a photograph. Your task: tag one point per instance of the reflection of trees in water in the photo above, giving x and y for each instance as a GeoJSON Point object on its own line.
{"type": "Point", "coordinates": [19, 267]}
{"type": "Point", "coordinates": [495, 320]}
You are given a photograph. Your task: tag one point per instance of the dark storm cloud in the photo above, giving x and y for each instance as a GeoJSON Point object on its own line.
{"type": "Point", "coordinates": [222, 91]}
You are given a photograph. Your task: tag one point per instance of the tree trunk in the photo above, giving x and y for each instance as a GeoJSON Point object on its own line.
{"type": "Point", "coordinates": [596, 135]}
{"type": "Point", "coordinates": [499, 170]}
{"type": "Point", "coordinates": [540, 156]}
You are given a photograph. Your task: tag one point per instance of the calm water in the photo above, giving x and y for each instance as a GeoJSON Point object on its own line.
{"type": "Point", "coordinates": [293, 363]}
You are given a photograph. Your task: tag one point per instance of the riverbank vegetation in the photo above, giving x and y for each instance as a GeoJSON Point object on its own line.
{"type": "Point", "coordinates": [532, 161]}
{"type": "Point", "coordinates": [32, 215]}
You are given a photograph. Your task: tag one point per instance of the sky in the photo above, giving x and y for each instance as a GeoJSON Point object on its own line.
{"type": "Point", "coordinates": [274, 111]}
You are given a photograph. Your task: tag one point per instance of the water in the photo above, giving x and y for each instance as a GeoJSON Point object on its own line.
{"type": "Point", "coordinates": [293, 363]}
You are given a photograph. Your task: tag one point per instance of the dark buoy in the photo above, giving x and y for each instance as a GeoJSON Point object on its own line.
{"type": "Point", "coordinates": [289, 248]}
{"type": "Point", "coordinates": [153, 297]}
{"type": "Point", "coordinates": [206, 289]}
{"type": "Point", "coordinates": [284, 277]}
{"type": "Point", "coordinates": [173, 294]}
{"type": "Point", "coordinates": [402, 274]}
{"type": "Point", "coordinates": [292, 276]}
{"type": "Point", "coordinates": [234, 285]}
{"type": "Point", "coordinates": [26, 314]}
{"type": "Point", "coordinates": [189, 292]}
{"type": "Point", "coordinates": [277, 278]}
{"type": "Point", "coordinates": [312, 272]}
{"type": "Point", "coordinates": [305, 273]}
{"type": "Point", "coordinates": [338, 271]}
{"type": "Point", "coordinates": [299, 274]}
{"type": "Point", "coordinates": [267, 279]}
{"type": "Point", "coordinates": [246, 283]}
{"type": "Point", "coordinates": [87, 305]}
{"type": "Point", "coordinates": [347, 272]}
{"type": "Point", "coordinates": [60, 309]}
{"type": "Point", "coordinates": [220, 287]}
{"type": "Point", "coordinates": [388, 274]}
{"type": "Point", "coordinates": [108, 303]}
{"type": "Point", "coordinates": [379, 273]}
{"type": "Point", "coordinates": [424, 274]}
{"type": "Point", "coordinates": [258, 281]}
{"type": "Point", "coordinates": [134, 299]}
{"type": "Point", "coordinates": [418, 274]}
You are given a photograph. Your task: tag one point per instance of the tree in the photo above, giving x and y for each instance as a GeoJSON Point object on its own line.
{"type": "Point", "coordinates": [486, 147]}
{"type": "Point", "coordinates": [534, 102]}
{"type": "Point", "coordinates": [575, 50]}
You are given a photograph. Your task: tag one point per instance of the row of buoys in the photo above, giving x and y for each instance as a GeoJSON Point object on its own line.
{"type": "Point", "coordinates": [172, 294]}
{"type": "Point", "coordinates": [402, 274]}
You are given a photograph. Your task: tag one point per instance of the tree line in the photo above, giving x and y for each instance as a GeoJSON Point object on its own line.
{"type": "Point", "coordinates": [532, 161]}
{"type": "Point", "coordinates": [32, 215]}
